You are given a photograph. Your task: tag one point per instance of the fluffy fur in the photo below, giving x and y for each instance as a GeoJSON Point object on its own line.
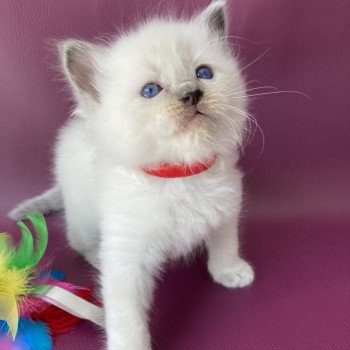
{"type": "Point", "coordinates": [139, 221]}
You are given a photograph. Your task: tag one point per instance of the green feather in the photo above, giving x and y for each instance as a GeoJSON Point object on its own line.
{"type": "Point", "coordinates": [21, 256]}
{"type": "Point", "coordinates": [39, 289]}
{"type": "Point", "coordinates": [39, 224]}
{"type": "Point", "coordinates": [25, 256]}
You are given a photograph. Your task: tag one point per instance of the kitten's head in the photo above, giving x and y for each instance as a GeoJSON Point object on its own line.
{"type": "Point", "coordinates": [161, 93]}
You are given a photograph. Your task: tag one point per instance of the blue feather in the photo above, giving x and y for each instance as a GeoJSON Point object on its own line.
{"type": "Point", "coordinates": [57, 275]}
{"type": "Point", "coordinates": [3, 327]}
{"type": "Point", "coordinates": [31, 335]}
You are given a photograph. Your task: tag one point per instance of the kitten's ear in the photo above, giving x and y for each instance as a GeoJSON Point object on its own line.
{"type": "Point", "coordinates": [81, 64]}
{"type": "Point", "coordinates": [215, 17]}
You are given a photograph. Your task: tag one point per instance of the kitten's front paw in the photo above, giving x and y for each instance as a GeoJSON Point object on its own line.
{"type": "Point", "coordinates": [238, 276]}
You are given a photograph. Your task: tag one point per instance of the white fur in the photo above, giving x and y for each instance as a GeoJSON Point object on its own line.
{"type": "Point", "coordinates": [139, 221]}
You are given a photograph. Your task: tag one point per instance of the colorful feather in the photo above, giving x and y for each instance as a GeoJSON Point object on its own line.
{"type": "Point", "coordinates": [13, 287]}
{"type": "Point", "coordinates": [30, 336]}
{"type": "Point", "coordinates": [25, 255]}
{"type": "Point", "coordinates": [57, 319]}
{"type": "Point", "coordinates": [32, 304]}
{"type": "Point", "coordinates": [21, 284]}
{"type": "Point", "coordinates": [54, 274]}
{"type": "Point", "coordinates": [17, 268]}
{"type": "Point", "coordinates": [7, 344]}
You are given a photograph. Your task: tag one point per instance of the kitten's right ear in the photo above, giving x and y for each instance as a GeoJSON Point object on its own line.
{"type": "Point", "coordinates": [215, 17]}
{"type": "Point", "coordinates": [80, 61]}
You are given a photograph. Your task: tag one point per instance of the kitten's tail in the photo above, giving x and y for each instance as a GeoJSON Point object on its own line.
{"type": "Point", "coordinates": [47, 202]}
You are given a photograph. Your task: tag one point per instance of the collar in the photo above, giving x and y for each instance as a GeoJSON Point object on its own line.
{"type": "Point", "coordinates": [172, 171]}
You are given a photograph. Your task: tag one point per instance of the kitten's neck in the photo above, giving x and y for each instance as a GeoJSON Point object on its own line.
{"type": "Point", "coordinates": [171, 171]}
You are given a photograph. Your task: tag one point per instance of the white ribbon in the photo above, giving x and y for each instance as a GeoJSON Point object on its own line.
{"type": "Point", "coordinates": [73, 304]}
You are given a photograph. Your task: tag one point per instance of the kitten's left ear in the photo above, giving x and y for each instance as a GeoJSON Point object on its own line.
{"type": "Point", "coordinates": [215, 17]}
{"type": "Point", "coordinates": [81, 64]}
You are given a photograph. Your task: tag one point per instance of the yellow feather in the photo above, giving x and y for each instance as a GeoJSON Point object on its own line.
{"type": "Point", "coordinates": [9, 312]}
{"type": "Point", "coordinates": [14, 286]}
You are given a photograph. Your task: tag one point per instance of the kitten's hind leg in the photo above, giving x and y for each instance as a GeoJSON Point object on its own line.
{"type": "Point", "coordinates": [225, 265]}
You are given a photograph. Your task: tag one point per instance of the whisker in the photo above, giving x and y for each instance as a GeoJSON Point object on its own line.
{"type": "Point", "coordinates": [251, 63]}
{"type": "Point", "coordinates": [250, 117]}
{"type": "Point", "coordinates": [257, 127]}
{"type": "Point", "coordinates": [228, 42]}
{"type": "Point", "coordinates": [231, 123]}
{"type": "Point", "coordinates": [232, 37]}
{"type": "Point", "coordinates": [246, 83]}
{"type": "Point", "coordinates": [272, 93]}
{"type": "Point", "coordinates": [252, 89]}
{"type": "Point", "coordinates": [240, 38]}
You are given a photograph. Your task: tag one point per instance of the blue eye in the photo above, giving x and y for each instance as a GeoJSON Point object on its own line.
{"type": "Point", "coordinates": [204, 72]}
{"type": "Point", "coordinates": [151, 90]}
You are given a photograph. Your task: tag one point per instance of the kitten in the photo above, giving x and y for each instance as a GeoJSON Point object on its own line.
{"type": "Point", "coordinates": [146, 168]}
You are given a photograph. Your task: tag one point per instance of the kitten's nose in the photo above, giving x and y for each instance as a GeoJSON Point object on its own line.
{"type": "Point", "coordinates": [192, 98]}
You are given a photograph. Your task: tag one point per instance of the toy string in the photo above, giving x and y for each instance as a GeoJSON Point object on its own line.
{"type": "Point", "coordinates": [72, 304]}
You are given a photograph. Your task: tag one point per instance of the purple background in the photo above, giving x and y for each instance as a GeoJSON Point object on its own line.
{"type": "Point", "coordinates": [296, 225]}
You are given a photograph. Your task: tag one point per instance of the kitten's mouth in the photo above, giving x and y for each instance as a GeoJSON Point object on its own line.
{"type": "Point", "coordinates": [195, 121]}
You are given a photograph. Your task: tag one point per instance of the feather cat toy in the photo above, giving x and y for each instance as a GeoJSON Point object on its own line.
{"type": "Point", "coordinates": [36, 306]}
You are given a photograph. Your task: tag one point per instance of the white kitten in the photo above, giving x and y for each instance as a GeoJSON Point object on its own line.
{"type": "Point", "coordinates": [123, 127]}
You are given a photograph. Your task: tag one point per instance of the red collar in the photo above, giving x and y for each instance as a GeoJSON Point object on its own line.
{"type": "Point", "coordinates": [171, 171]}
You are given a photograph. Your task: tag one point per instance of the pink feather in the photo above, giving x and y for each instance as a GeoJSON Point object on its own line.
{"type": "Point", "coordinates": [32, 305]}
{"type": "Point", "coordinates": [7, 344]}
{"type": "Point", "coordinates": [59, 320]}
